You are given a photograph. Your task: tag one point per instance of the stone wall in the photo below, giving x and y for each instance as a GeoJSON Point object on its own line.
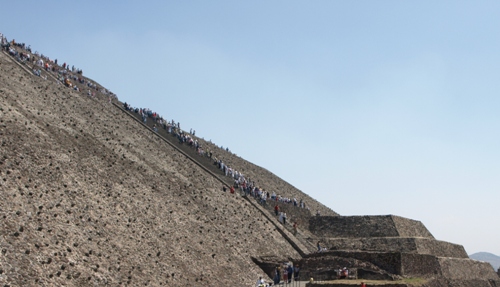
{"type": "Point", "coordinates": [440, 248]}
{"type": "Point", "coordinates": [268, 264]}
{"type": "Point", "coordinates": [378, 265]}
{"type": "Point", "coordinates": [466, 283]}
{"type": "Point", "coordinates": [397, 244]}
{"type": "Point", "coordinates": [466, 269]}
{"type": "Point", "coordinates": [366, 226]}
{"type": "Point", "coordinates": [322, 267]}
{"type": "Point", "coordinates": [419, 265]}
{"type": "Point", "coordinates": [410, 228]}
{"type": "Point", "coordinates": [378, 244]}
{"type": "Point", "coordinates": [387, 261]}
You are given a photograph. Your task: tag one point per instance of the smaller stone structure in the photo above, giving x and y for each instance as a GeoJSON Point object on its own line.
{"type": "Point", "coordinates": [389, 248]}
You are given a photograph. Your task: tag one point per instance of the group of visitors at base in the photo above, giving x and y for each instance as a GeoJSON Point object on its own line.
{"type": "Point", "coordinates": [284, 274]}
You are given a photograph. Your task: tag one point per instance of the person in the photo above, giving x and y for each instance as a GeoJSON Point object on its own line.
{"type": "Point", "coordinates": [263, 198]}
{"type": "Point", "coordinates": [296, 270]}
{"type": "Point", "coordinates": [232, 189]}
{"type": "Point", "coordinates": [295, 228]}
{"type": "Point", "coordinates": [260, 282]}
{"type": "Point", "coordinates": [363, 284]}
{"type": "Point", "coordinates": [277, 276]}
{"type": "Point", "coordinates": [319, 246]}
{"type": "Point", "coordinates": [290, 273]}
{"type": "Point", "coordinates": [285, 274]}
{"type": "Point", "coordinates": [284, 218]}
{"type": "Point", "coordinates": [276, 209]}
{"type": "Point", "coordinates": [344, 273]}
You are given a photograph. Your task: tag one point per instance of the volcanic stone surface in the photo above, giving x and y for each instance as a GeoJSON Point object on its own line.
{"type": "Point", "coordinates": [90, 197]}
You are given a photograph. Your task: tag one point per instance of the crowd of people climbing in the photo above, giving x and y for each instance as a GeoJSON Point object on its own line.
{"type": "Point", "coordinates": [245, 185]}
{"type": "Point", "coordinates": [70, 76]}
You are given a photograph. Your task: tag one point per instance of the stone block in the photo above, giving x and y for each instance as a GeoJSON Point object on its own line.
{"type": "Point", "coordinates": [367, 226]}
{"type": "Point", "coordinates": [397, 244]}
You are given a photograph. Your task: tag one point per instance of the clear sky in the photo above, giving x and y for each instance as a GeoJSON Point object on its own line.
{"type": "Point", "coordinates": [371, 107]}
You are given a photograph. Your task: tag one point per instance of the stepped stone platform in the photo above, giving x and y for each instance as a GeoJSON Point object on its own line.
{"type": "Point", "coordinates": [381, 233]}
{"type": "Point", "coordinates": [390, 248]}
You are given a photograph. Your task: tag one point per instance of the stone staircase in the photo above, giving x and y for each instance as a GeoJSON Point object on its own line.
{"type": "Point", "coordinates": [302, 242]}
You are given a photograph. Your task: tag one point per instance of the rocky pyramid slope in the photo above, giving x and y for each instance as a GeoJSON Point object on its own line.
{"type": "Point", "coordinates": [90, 197]}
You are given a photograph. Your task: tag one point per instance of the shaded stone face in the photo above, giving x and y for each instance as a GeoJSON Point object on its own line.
{"type": "Point", "coordinates": [397, 244]}
{"type": "Point", "coordinates": [367, 227]}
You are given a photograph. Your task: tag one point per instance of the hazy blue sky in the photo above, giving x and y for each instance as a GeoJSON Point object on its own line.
{"type": "Point", "coordinates": [371, 107]}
